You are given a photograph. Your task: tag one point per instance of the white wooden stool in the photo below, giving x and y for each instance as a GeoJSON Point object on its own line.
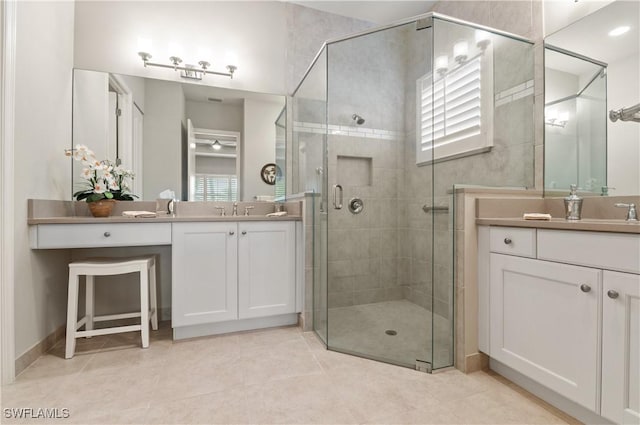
{"type": "Point", "coordinates": [146, 266]}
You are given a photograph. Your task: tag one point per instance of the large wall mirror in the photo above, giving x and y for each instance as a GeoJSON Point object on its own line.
{"type": "Point", "coordinates": [592, 68]}
{"type": "Point", "coordinates": [203, 143]}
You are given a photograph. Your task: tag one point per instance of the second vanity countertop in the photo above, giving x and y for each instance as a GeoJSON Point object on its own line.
{"type": "Point", "coordinates": [508, 212]}
{"type": "Point", "coordinates": [594, 225]}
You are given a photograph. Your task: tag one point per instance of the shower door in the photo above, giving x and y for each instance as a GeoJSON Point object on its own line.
{"type": "Point", "coordinates": [379, 236]}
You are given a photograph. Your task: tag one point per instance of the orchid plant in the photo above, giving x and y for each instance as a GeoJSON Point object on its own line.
{"type": "Point", "coordinates": [104, 179]}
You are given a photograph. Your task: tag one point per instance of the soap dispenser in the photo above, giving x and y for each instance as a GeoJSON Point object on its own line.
{"type": "Point", "coordinates": [573, 204]}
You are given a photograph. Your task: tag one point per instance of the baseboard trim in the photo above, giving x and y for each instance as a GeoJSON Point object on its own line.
{"type": "Point", "coordinates": [40, 348]}
{"type": "Point", "coordinates": [206, 329]}
{"type": "Point", "coordinates": [475, 362]}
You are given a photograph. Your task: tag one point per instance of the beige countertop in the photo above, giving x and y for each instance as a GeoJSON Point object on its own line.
{"type": "Point", "coordinates": [593, 225]}
{"type": "Point", "coordinates": [159, 219]}
{"type": "Point", "coordinates": [73, 212]}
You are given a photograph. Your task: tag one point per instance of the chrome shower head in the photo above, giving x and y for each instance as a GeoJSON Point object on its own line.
{"type": "Point", "coordinates": [358, 119]}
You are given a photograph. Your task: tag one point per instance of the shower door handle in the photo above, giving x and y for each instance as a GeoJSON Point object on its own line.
{"type": "Point", "coordinates": [337, 205]}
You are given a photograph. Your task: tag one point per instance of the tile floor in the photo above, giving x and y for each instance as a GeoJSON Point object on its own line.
{"type": "Point", "coordinates": [361, 329]}
{"type": "Point", "coordinates": [276, 376]}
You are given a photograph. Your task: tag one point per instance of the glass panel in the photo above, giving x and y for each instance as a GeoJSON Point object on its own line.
{"type": "Point", "coordinates": [378, 259]}
{"type": "Point", "coordinates": [281, 154]}
{"type": "Point", "coordinates": [309, 147]}
{"type": "Point", "coordinates": [575, 123]}
{"type": "Point", "coordinates": [503, 156]}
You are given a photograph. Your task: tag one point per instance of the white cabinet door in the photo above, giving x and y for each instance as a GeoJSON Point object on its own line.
{"type": "Point", "coordinates": [621, 348]}
{"type": "Point", "coordinates": [266, 269]}
{"type": "Point", "coordinates": [544, 324]}
{"type": "Point", "coordinates": [204, 273]}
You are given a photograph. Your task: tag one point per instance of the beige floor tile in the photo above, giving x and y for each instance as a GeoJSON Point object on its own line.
{"type": "Point", "coordinates": [271, 376]}
{"type": "Point", "coordinates": [223, 407]}
{"type": "Point", "coordinates": [300, 400]}
{"type": "Point", "coordinates": [284, 360]}
{"type": "Point", "coordinates": [269, 337]}
{"type": "Point", "coordinates": [197, 379]}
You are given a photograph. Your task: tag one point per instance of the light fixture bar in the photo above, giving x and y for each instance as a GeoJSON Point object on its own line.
{"type": "Point", "coordinates": [189, 71]}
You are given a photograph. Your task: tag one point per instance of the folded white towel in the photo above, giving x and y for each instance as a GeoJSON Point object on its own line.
{"type": "Point", "coordinates": [536, 216]}
{"type": "Point", "coordinates": [139, 214]}
{"type": "Point", "coordinates": [277, 214]}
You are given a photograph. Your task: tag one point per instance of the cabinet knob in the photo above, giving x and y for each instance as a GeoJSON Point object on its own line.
{"type": "Point", "coordinates": [107, 234]}
{"type": "Point", "coordinates": [232, 233]}
{"type": "Point", "coordinates": [507, 241]}
{"type": "Point", "coordinates": [244, 232]}
{"type": "Point", "coordinates": [585, 288]}
{"type": "Point", "coordinates": [612, 294]}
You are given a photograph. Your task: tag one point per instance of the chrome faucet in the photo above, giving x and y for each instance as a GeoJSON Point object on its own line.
{"type": "Point", "coordinates": [632, 213]}
{"type": "Point", "coordinates": [235, 209]}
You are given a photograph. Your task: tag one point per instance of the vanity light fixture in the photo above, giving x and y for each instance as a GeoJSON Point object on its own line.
{"type": "Point", "coordinates": [482, 39]}
{"type": "Point", "coordinates": [442, 64]}
{"type": "Point", "coordinates": [188, 70]}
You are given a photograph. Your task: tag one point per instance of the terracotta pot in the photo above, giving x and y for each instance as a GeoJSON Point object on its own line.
{"type": "Point", "coordinates": [101, 208]}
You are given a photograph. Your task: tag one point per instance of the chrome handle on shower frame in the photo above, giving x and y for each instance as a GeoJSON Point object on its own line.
{"type": "Point", "coordinates": [337, 205]}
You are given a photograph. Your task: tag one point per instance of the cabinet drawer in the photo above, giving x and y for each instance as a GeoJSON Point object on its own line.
{"type": "Point", "coordinates": [100, 235]}
{"type": "Point", "coordinates": [513, 241]}
{"type": "Point", "coordinates": [611, 251]}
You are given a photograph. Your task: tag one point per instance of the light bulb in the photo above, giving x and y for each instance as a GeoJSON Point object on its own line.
{"type": "Point", "coordinates": [442, 63]}
{"type": "Point", "coordinates": [204, 53]}
{"type": "Point", "coordinates": [563, 116]}
{"type": "Point", "coordinates": [231, 58]}
{"type": "Point", "coordinates": [551, 115]}
{"type": "Point", "coordinates": [460, 51]}
{"type": "Point", "coordinates": [483, 38]}
{"type": "Point", "coordinates": [145, 45]}
{"type": "Point", "coordinates": [175, 50]}
{"type": "Point", "coordinates": [216, 145]}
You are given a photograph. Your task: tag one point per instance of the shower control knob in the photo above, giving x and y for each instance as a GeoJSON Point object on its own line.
{"type": "Point", "coordinates": [507, 241]}
{"type": "Point", "coordinates": [612, 294]}
{"type": "Point", "coordinates": [585, 288]}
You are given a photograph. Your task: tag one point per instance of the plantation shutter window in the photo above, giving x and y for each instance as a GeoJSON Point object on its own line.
{"type": "Point", "coordinates": [215, 187]}
{"type": "Point", "coordinates": [451, 113]}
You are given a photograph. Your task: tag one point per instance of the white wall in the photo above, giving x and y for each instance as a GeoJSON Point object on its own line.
{"type": "Point", "coordinates": [260, 135]}
{"type": "Point", "coordinates": [106, 38]}
{"type": "Point", "coordinates": [215, 116]}
{"type": "Point", "coordinates": [623, 138]}
{"type": "Point", "coordinates": [42, 132]}
{"type": "Point", "coordinates": [165, 106]}
{"type": "Point", "coordinates": [560, 13]}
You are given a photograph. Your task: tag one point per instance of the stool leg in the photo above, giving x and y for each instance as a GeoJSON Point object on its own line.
{"type": "Point", "coordinates": [89, 302]}
{"type": "Point", "coordinates": [153, 296]}
{"type": "Point", "coordinates": [144, 306]}
{"type": "Point", "coordinates": [72, 315]}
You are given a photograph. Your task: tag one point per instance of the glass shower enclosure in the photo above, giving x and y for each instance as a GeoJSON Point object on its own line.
{"type": "Point", "coordinates": [385, 123]}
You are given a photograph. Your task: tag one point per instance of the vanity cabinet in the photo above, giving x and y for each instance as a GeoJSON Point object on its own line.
{"type": "Point", "coordinates": [621, 347]}
{"type": "Point", "coordinates": [204, 272]}
{"type": "Point", "coordinates": [223, 272]}
{"type": "Point", "coordinates": [562, 308]}
{"type": "Point", "coordinates": [544, 325]}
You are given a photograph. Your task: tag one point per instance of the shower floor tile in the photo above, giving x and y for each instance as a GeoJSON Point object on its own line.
{"type": "Point", "coordinates": [362, 329]}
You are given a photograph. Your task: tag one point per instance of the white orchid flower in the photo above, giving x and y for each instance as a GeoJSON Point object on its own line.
{"type": "Point", "coordinates": [87, 173]}
{"type": "Point", "coordinates": [99, 188]}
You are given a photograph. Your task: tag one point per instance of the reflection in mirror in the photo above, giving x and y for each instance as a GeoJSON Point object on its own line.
{"type": "Point", "coordinates": [575, 122]}
{"type": "Point", "coordinates": [166, 132]}
{"type": "Point", "coordinates": [600, 155]}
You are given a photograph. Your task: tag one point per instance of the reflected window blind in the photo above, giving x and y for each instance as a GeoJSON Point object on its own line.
{"type": "Point", "coordinates": [215, 187]}
{"type": "Point", "coordinates": [450, 107]}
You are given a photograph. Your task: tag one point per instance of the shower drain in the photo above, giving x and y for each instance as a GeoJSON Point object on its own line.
{"type": "Point", "coordinates": [391, 332]}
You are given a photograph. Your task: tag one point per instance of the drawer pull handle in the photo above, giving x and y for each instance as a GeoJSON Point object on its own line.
{"type": "Point", "coordinates": [244, 232]}
{"type": "Point", "coordinates": [507, 241]}
{"type": "Point", "coordinates": [232, 233]}
{"type": "Point", "coordinates": [612, 294]}
{"type": "Point", "coordinates": [585, 288]}
{"type": "Point", "coordinates": [107, 234]}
